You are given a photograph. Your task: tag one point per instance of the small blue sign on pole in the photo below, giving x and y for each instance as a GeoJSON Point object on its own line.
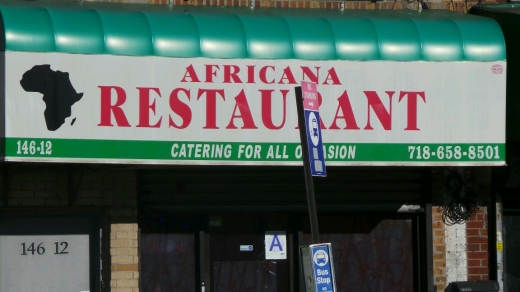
{"type": "Point", "coordinates": [318, 268]}
{"type": "Point", "coordinates": [313, 128]}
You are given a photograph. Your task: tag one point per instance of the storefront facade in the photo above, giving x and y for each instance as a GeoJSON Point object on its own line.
{"type": "Point", "coordinates": [507, 189]}
{"type": "Point", "coordinates": [147, 148]}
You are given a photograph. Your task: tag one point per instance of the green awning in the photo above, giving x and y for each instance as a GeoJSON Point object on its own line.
{"type": "Point", "coordinates": [242, 32]}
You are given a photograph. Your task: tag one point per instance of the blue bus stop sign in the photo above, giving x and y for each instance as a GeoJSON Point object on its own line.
{"type": "Point", "coordinates": [322, 267]}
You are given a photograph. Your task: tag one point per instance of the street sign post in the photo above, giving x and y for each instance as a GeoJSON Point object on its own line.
{"type": "Point", "coordinates": [307, 106]}
{"type": "Point", "coordinates": [316, 259]}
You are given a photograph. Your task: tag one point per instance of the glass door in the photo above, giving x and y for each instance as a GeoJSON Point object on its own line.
{"type": "Point", "coordinates": [237, 254]}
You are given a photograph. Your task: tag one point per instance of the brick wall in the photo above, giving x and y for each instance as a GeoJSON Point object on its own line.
{"type": "Point", "coordinates": [439, 250]}
{"type": "Point", "coordinates": [456, 253]}
{"type": "Point", "coordinates": [460, 252]}
{"type": "Point", "coordinates": [478, 267]}
{"type": "Point", "coordinates": [124, 253]}
{"type": "Point", "coordinates": [455, 5]}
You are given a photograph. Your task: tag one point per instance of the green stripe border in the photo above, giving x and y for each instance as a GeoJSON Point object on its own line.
{"type": "Point", "coordinates": [266, 152]}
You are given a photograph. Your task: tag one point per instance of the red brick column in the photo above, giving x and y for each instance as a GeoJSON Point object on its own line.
{"type": "Point", "coordinates": [439, 250]}
{"type": "Point", "coordinates": [477, 239]}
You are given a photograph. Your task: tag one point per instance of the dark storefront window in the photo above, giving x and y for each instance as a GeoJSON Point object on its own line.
{"type": "Point", "coordinates": [251, 276]}
{"type": "Point", "coordinates": [168, 263]}
{"type": "Point", "coordinates": [372, 256]}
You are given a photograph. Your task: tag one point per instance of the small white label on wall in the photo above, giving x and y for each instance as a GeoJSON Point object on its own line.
{"type": "Point", "coordinates": [246, 247]}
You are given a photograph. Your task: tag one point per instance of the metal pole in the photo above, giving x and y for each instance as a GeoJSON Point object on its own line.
{"type": "Point", "coordinates": [309, 183]}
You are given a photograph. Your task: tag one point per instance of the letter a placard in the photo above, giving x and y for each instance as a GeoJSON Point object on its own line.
{"type": "Point", "coordinates": [313, 128]}
{"type": "Point", "coordinates": [275, 245]}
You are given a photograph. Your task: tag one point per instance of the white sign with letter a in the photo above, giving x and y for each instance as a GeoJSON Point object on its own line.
{"type": "Point", "coordinates": [275, 245]}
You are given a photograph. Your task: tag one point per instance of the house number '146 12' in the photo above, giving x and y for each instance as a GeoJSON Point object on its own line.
{"type": "Point", "coordinates": [32, 248]}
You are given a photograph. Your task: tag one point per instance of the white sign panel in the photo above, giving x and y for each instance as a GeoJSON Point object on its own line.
{"type": "Point", "coordinates": [44, 263]}
{"type": "Point", "coordinates": [156, 110]}
{"type": "Point", "coordinates": [275, 245]}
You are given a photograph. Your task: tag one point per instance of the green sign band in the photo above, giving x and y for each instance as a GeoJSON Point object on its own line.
{"type": "Point", "coordinates": [35, 149]}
